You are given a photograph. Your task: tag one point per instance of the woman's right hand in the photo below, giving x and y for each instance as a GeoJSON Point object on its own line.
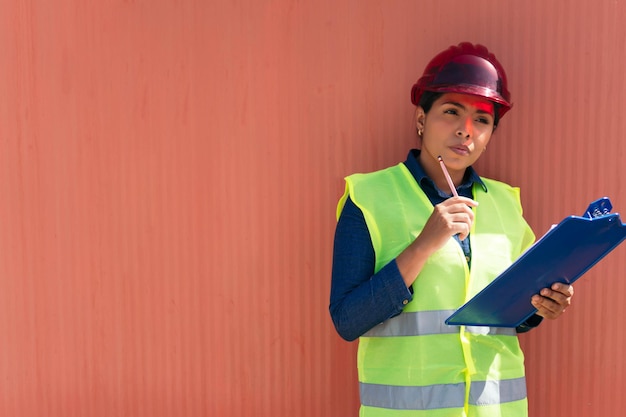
{"type": "Point", "coordinates": [451, 217]}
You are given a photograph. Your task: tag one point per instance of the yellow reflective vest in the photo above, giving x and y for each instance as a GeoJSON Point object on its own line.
{"type": "Point", "coordinates": [414, 364]}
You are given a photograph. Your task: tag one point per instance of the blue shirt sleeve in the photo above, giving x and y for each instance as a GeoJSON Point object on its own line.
{"type": "Point", "coordinates": [359, 298]}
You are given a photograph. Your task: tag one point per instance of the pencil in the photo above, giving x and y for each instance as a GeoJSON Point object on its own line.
{"type": "Point", "coordinates": [447, 175]}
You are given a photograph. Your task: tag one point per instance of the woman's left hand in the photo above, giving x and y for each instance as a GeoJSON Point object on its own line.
{"type": "Point", "coordinates": [552, 302]}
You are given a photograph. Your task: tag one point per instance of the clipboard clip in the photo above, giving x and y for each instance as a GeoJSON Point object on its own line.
{"type": "Point", "coordinates": [600, 207]}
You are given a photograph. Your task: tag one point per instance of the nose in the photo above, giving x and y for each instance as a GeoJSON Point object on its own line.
{"type": "Point", "coordinates": [466, 129]}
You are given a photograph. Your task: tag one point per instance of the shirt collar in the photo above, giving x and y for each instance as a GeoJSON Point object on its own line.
{"type": "Point", "coordinates": [412, 163]}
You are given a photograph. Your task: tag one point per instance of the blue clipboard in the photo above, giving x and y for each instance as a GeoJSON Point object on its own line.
{"type": "Point", "coordinates": [563, 254]}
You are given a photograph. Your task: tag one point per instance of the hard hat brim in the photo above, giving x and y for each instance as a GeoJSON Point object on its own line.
{"type": "Point", "coordinates": [483, 92]}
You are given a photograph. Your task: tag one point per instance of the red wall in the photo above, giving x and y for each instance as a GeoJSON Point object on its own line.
{"type": "Point", "coordinates": [169, 172]}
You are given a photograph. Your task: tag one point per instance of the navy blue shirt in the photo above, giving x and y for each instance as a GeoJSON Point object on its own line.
{"type": "Point", "coordinates": [359, 299]}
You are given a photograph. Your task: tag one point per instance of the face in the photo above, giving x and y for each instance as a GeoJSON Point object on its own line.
{"type": "Point", "coordinates": [458, 127]}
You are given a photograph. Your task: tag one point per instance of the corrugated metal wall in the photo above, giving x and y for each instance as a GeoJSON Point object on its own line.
{"type": "Point", "coordinates": [169, 172]}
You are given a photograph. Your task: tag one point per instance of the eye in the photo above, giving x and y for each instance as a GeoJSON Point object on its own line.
{"type": "Point", "coordinates": [483, 120]}
{"type": "Point", "coordinates": [451, 110]}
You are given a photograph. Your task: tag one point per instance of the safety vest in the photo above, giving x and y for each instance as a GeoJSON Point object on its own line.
{"type": "Point", "coordinates": [414, 364]}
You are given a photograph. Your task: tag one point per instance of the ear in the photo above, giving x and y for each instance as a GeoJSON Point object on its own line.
{"type": "Point", "coordinates": [420, 117]}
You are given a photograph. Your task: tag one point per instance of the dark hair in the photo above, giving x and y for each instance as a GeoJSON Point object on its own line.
{"type": "Point", "coordinates": [427, 100]}
{"type": "Point", "coordinates": [429, 97]}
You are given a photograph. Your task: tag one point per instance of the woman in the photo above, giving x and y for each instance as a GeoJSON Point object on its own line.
{"type": "Point", "coordinates": [409, 252]}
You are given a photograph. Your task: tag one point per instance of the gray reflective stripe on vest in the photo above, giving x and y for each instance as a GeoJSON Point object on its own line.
{"type": "Point", "coordinates": [427, 323]}
{"type": "Point", "coordinates": [442, 396]}
{"type": "Point", "coordinates": [497, 392]}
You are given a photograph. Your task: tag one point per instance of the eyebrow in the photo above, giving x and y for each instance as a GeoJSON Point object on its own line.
{"type": "Point", "coordinates": [478, 109]}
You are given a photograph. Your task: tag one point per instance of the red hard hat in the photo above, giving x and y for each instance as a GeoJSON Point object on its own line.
{"type": "Point", "coordinates": [467, 69]}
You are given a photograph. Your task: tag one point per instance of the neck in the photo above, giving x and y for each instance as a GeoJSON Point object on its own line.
{"type": "Point", "coordinates": [433, 169]}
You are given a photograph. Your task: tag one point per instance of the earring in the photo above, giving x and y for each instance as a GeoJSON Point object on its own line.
{"type": "Point", "coordinates": [420, 131]}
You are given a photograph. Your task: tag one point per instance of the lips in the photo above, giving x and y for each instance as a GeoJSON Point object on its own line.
{"type": "Point", "coordinates": [460, 150]}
